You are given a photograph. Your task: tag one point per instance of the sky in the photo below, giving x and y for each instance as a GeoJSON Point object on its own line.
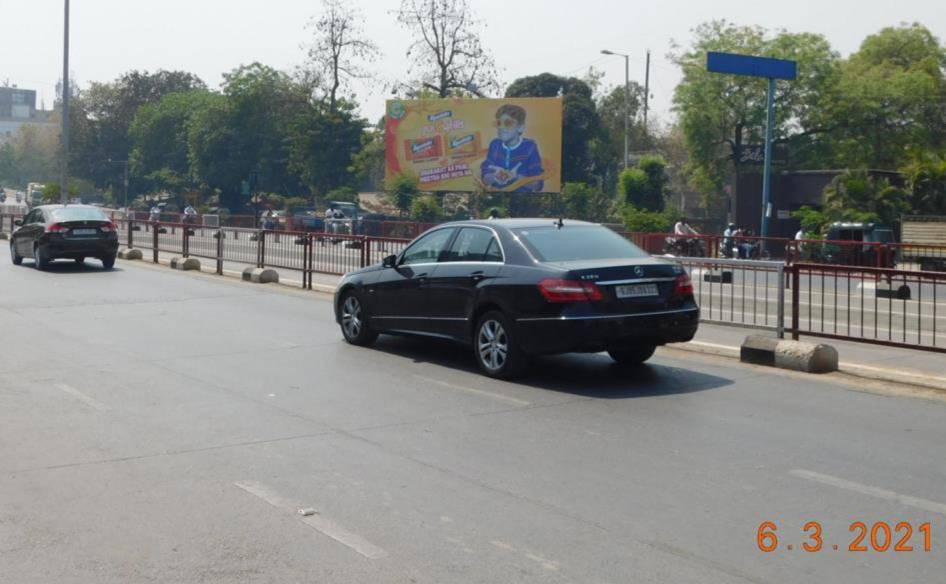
{"type": "Point", "coordinates": [526, 37]}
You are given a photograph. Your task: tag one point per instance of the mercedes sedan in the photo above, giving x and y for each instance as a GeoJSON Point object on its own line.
{"type": "Point", "coordinates": [73, 232]}
{"type": "Point", "coordinates": [514, 288]}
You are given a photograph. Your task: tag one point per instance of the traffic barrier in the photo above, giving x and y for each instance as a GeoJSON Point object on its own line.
{"type": "Point", "coordinates": [130, 254]}
{"type": "Point", "coordinates": [261, 275]}
{"type": "Point", "coordinates": [792, 355]}
{"type": "Point", "coordinates": [186, 264]}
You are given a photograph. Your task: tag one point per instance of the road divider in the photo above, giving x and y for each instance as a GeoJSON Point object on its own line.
{"type": "Point", "coordinates": [261, 275]}
{"type": "Point", "coordinates": [185, 264]}
{"type": "Point", "coordinates": [793, 355]}
{"type": "Point", "coordinates": [130, 254]}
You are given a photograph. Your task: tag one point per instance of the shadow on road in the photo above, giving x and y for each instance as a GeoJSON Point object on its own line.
{"type": "Point", "coordinates": [577, 374]}
{"type": "Point", "coordinates": [70, 267]}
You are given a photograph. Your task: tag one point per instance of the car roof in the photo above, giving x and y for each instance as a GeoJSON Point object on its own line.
{"type": "Point", "coordinates": [516, 223]}
{"type": "Point", "coordinates": [61, 206]}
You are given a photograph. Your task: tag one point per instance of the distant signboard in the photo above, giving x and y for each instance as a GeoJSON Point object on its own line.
{"type": "Point", "coordinates": [754, 154]}
{"type": "Point", "coordinates": [752, 66]}
{"type": "Point", "coordinates": [505, 145]}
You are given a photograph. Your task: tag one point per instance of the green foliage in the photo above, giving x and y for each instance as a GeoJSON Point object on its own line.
{"type": "Point", "coordinates": [52, 193]}
{"type": "Point", "coordinates": [367, 165]}
{"type": "Point", "coordinates": [426, 209]}
{"type": "Point", "coordinates": [813, 221]}
{"type": "Point", "coordinates": [926, 180]}
{"type": "Point", "coordinates": [323, 146]}
{"type": "Point", "coordinates": [645, 185]}
{"type": "Point", "coordinates": [581, 124]}
{"type": "Point", "coordinates": [888, 102]}
{"type": "Point", "coordinates": [644, 221]}
{"type": "Point", "coordinates": [857, 196]}
{"type": "Point", "coordinates": [585, 202]}
{"type": "Point", "coordinates": [295, 204]}
{"type": "Point", "coordinates": [402, 189]}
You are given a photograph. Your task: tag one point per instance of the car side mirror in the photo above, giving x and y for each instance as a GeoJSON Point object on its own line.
{"type": "Point", "coordinates": [18, 223]}
{"type": "Point", "coordinates": [389, 262]}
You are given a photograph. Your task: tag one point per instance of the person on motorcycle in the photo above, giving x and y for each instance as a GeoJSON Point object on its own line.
{"type": "Point", "coordinates": [155, 214]}
{"type": "Point", "coordinates": [684, 242]}
{"type": "Point", "coordinates": [728, 239]}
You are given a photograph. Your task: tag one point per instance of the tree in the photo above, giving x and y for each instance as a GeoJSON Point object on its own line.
{"type": "Point", "coordinates": [426, 209]}
{"type": "Point", "coordinates": [340, 44]}
{"type": "Point", "coordinates": [402, 189]}
{"type": "Point", "coordinates": [645, 185]}
{"type": "Point", "coordinates": [446, 51]}
{"type": "Point", "coordinates": [888, 103]}
{"type": "Point", "coordinates": [580, 123]}
{"type": "Point", "coordinates": [367, 165]}
{"type": "Point", "coordinates": [721, 113]}
{"type": "Point", "coordinates": [926, 181]}
{"type": "Point", "coordinates": [31, 155]}
{"type": "Point", "coordinates": [855, 195]}
{"type": "Point", "coordinates": [102, 115]}
{"type": "Point", "coordinates": [323, 146]}
{"type": "Point", "coordinates": [585, 202]}
{"type": "Point", "coordinates": [159, 159]}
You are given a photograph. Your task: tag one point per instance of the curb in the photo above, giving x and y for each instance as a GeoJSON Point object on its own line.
{"type": "Point", "coordinates": [867, 372]}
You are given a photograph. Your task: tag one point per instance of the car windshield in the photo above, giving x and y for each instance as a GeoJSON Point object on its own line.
{"type": "Point", "coordinates": [577, 242]}
{"type": "Point", "coordinates": [78, 214]}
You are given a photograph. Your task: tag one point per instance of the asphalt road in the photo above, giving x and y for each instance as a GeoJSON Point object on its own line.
{"type": "Point", "coordinates": [166, 427]}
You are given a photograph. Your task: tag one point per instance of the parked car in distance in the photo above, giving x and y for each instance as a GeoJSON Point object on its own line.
{"type": "Point", "coordinates": [74, 232]}
{"type": "Point", "coordinates": [514, 288]}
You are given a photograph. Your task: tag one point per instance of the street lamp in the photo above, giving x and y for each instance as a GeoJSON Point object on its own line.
{"type": "Point", "coordinates": [64, 163]}
{"type": "Point", "coordinates": [627, 101]}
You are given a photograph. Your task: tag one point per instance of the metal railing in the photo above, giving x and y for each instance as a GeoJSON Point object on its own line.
{"type": "Point", "coordinates": [901, 308]}
{"type": "Point", "coordinates": [743, 293]}
{"type": "Point", "coordinates": [305, 252]}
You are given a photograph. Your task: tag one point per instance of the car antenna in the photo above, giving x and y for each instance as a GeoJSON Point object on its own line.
{"type": "Point", "coordinates": [560, 223]}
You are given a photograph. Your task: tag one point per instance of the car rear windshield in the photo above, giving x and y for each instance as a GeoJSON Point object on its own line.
{"type": "Point", "coordinates": [78, 214]}
{"type": "Point", "coordinates": [577, 242]}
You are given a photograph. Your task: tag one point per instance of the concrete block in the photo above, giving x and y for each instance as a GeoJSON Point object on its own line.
{"type": "Point", "coordinates": [185, 264]}
{"type": "Point", "coordinates": [4, 237]}
{"type": "Point", "coordinates": [807, 357]}
{"type": "Point", "coordinates": [130, 254]}
{"type": "Point", "coordinates": [724, 277]}
{"type": "Point", "coordinates": [793, 355]}
{"type": "Point", "coordinates": [899, 293]}
{"type": "Point", "coordinates": [261, 275]}
{"type": "Point", "coordinates": [759, 350]}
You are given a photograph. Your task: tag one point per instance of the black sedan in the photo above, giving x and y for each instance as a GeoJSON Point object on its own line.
{"type": "Point", "coordinates": [72, 232]}
{"type": "Point", "coordinates": [515, 288]}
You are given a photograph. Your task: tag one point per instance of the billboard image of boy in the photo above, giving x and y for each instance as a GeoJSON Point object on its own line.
{"type": "Point", "coordinates": [512, 158]}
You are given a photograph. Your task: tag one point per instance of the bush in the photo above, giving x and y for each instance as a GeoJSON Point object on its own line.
{"type": "Point", "coordinates": [585, 202]}
{"type": "Point", "coordinates": [343, 195]}
{"type": "Point", "coordinates": [645, 185]}
{"type": "Point", "coordinates": [643, 221]}
{"type": "Point", "coordinates": [295, 204]}
{"type": "Point", "coordinates": [402, 189]}
{"type": "Point", "coordinates": [426, 209]}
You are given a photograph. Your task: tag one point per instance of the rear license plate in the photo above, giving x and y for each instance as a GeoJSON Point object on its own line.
{"type": "Point", "coordinates": [637, 291]}
{"type": "Point", "coordinates": [84, 231]}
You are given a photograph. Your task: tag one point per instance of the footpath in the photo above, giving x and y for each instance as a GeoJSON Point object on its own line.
{"type": "Point", "coordinates": [873, 362]}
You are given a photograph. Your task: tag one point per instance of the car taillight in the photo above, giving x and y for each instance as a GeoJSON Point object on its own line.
{"type": "Point", "coordinates": [56, 228]}
{"type": "Point", "coordinates": [555, 290]}
{"type": "Point", "coordinates": [108, 227]}
{"type": "Point", "coordinates": [682, 286]}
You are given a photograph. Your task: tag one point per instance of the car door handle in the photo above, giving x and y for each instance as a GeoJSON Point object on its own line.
{"type": "Point", "coordinates": [421, 277]}
{"type": "Point", "coordinates": [477, 276]}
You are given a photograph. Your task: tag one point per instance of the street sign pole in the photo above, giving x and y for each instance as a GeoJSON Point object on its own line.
{"type": "Point", "coordinates": [767, 173]}
{"type": "Point", "coordinates": [771, 69]}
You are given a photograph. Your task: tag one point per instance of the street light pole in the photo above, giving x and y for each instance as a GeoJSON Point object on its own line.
{"type": "Point", "coordinates": [64, 163]}
{"type": "Point", "coordinates": [627, 102]}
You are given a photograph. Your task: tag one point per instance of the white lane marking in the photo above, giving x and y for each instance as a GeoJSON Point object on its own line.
{"type": "Point", "coordinates": [92, 403]}
{"type": "Point", "coordinates": [877, 492]}
{"type": "Point", "coordinates": [321, 524]}
{"type": "Point", "coordinates": [482, 392]}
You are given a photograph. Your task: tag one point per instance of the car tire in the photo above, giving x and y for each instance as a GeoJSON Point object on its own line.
{"type": "Point", "coordinates": [631, 356]}
{"type": "Point", "coordinates": [15, 257]}
{"type": "Point", "coordinates": [495, 348]}
{"type": "Point", "coordinates": [354, 323]}
{"type": "Point", "coordinates": [108, 262]}
{"type": "Point", "coordinates": [40, 260]}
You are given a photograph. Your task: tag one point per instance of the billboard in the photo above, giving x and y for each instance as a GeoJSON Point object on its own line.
{"type": "Point", "coordinates": [504, 145]}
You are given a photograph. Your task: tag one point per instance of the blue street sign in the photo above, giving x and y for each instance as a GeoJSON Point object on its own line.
{"type": "Point", "coordinates": [751, 66]}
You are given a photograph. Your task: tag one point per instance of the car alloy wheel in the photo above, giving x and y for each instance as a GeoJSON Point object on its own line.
{"type": "Point", "coordinates": [354, 324]}
{"type": "Point", "coordinates": [351, 317]}
{"type": "Point", "coordinates": [493, 345]}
